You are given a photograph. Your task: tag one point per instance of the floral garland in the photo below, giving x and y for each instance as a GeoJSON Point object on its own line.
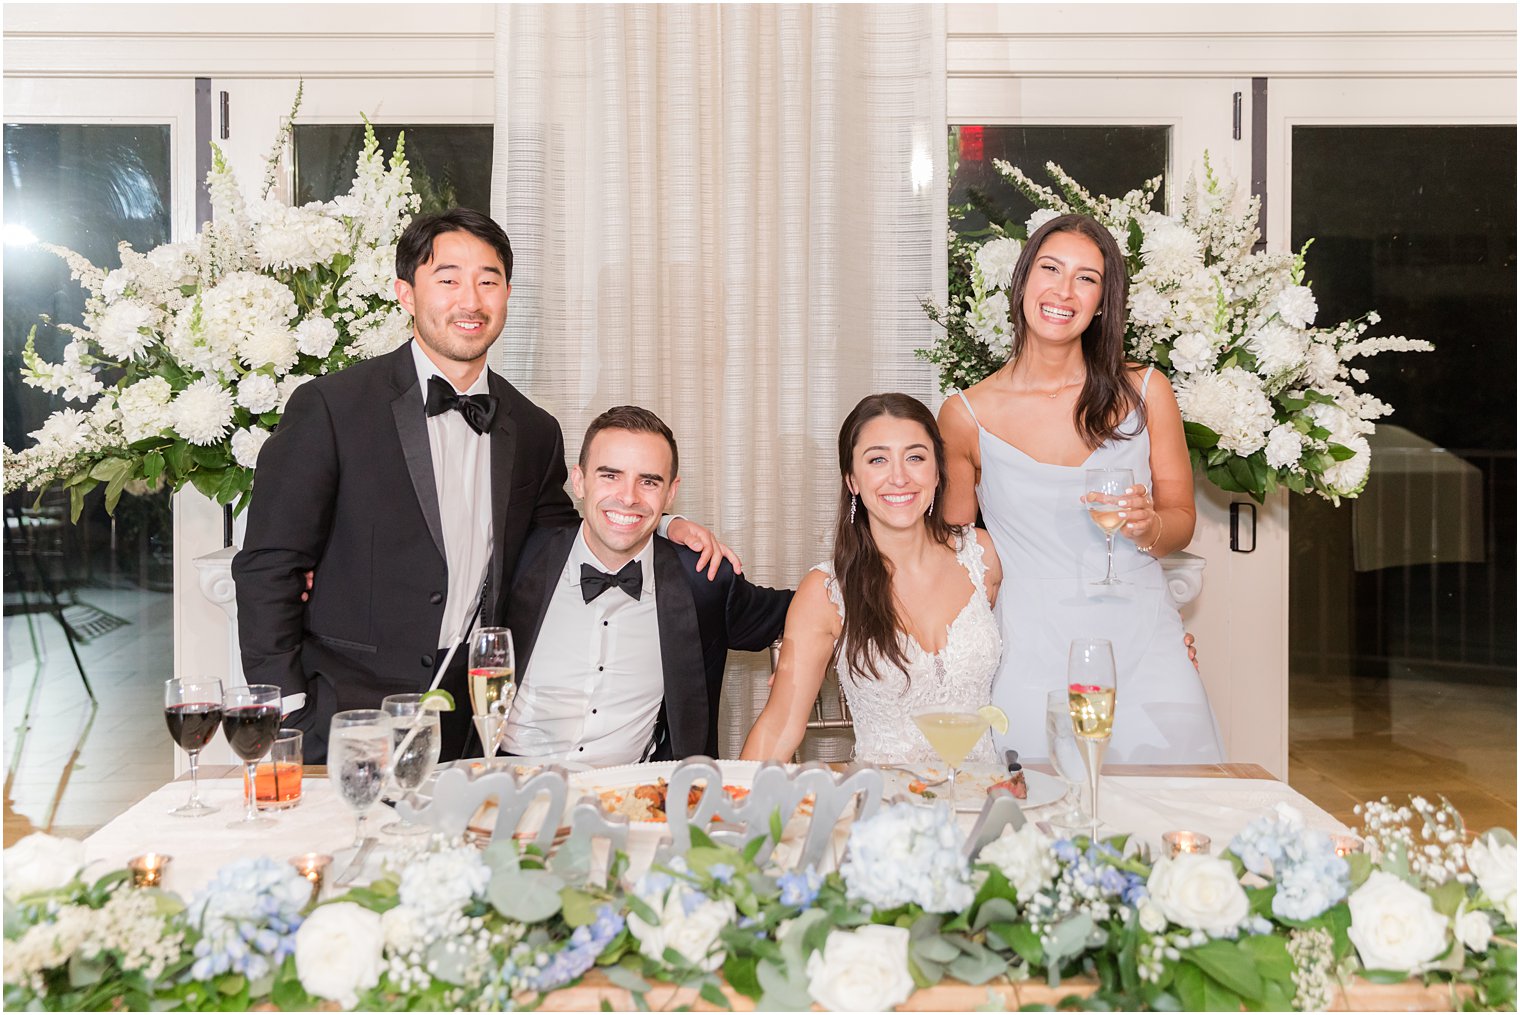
{"type": "Point", "coordinates": [1278, 921]}
{"type": "Point", "coordinates": [193, 349]}
{"type": "Point", "coordinates": [1266, 397]}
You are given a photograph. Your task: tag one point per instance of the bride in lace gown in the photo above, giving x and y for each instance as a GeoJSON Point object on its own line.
{"type": "Point", "coordinates": [904, 608]}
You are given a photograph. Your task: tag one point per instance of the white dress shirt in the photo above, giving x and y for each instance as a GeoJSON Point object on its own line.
{"type": "Point", "coordinates": [462, 479]}
{"type": "Point", "coordinates": [593, 687]}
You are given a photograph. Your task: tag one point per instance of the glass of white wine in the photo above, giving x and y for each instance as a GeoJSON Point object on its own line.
{"type": "Point", "coordinates": [492, 672]}
{"type": "Point", "coordinates": [1091, 685]}
{"type": "Point", "coordinates": [1104, 488]}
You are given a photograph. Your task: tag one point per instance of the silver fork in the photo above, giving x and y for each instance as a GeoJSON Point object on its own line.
{"type": "Point", "coordinates": [928, 783]}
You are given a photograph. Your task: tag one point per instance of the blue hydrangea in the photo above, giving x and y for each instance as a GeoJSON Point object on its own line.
{"type": "Point", "coordinates": [1310, 876]}
{"type": "Point", "coordinates": [580, 954]}
{"type": "Point", "coordinates": [799, 888]}
{"type": "Point", "coordinates": [908, 853]}
{"type": "Point", "coordinates": [248, 916]}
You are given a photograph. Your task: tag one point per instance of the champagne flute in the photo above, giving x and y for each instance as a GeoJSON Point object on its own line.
{"type": "Point", "coordinates": [1104, 488]}
{"type": "Point", "coordinates": [1090, 688]}
{"type": "Point", "coordinates": [1065, 756]}
{"type": "Point", "coordinates": [492, 688]}
{"type": "Point", "coordinates": [952, 734]}
{"type": "Point", "coordinates": [193, 710]}
{"type": "Point", "coordinates": [251, 720]}
{"type": "Point", "coordinates": [358, 759]}
{"type": "Point", "coordinates": [414, 753]}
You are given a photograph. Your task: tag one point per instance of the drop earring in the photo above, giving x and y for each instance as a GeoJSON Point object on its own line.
{"type": "Point", "coordinates": [854, 500]}
{"type": "Point", "coordinates": [930, 512]}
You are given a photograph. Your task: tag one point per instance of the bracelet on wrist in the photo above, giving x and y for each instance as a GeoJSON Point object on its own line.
{"type": "Point", "coordinates": [1160, 524]}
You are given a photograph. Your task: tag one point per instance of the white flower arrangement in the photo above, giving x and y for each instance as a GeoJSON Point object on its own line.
{"type": "Point", "coordinates": [1267, 398]}
{"type": "Point", "coordinates": [861, 970]}
{"type": "Point", "coordinates": [908, 854]}
{"type": "Point", "coordinates": [191, 350]}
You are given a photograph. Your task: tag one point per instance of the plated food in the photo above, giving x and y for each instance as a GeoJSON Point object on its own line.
{"type": "Point", "coordinates": [649, 801]}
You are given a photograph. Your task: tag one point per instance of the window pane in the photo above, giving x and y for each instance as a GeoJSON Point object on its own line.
{"type": "Point", "coordinates": [450, 163]}
{"type": "Point", "coordinates": [1403, 602]}
{"type": "Point", "coordinates": [1105, 159]}
{"type": "Point", "coordinates": [104, 583]}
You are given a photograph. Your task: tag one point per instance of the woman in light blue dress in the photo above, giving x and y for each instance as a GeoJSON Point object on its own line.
{"type": "Point", "coordinates": [1018, 446]}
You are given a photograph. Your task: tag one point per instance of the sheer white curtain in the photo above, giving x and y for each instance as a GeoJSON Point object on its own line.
{"type": "Point", "coordinates": [729, 215]}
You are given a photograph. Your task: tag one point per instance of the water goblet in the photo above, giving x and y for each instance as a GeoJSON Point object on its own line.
{"type": "Point", "coordinates": [492, 667]}
{"type": "Point", "coordinates": [1091, 685]}
{"type": "Point", "coordinates": [193, 710]}
{"type": "Point", "coordinates": [1104, 488]}
{"type": "Point", "coordinates": [1065, 757]}
{"type": "Point", "coordinates": [414, 750]}
{"type": "Point", "coordinates": [358, 760]}
{"type": "Point", "coordinates": [251, 721]}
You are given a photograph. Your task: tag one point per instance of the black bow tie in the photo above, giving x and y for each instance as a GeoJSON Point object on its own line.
{"type": "Point", "coordinates": [477, 410]}
{"type": "Point", "coordinates": [630, 579]}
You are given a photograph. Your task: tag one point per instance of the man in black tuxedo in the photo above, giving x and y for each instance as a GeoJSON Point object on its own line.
{"type": "Point", "coordinates": [407, 484]}
{"type": "Point", "coordinates": [620, 643]}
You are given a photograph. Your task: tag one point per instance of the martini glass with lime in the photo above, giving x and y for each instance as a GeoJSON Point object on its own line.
{"type": "Point", "coordinates": [953, 733]}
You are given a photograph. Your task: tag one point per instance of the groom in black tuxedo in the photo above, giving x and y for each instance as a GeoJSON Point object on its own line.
{"type": "Point", "coordinates": [407, 483]}
{"type": "Point", "coordinates": [620, 643]}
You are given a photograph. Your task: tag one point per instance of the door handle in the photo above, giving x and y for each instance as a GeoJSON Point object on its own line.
{"type": "Point", "coordinates": [1242, 525]}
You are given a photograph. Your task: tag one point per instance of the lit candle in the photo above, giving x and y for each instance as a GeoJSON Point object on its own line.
{"type": "Point", "coordinates": [1345, 845]}
{"type": "Point", "coordinates": [312, 867]}
{"type": "Point", "coordinates": [1177, 843]}
{"type": "Point", "coordinates": [148, 870]}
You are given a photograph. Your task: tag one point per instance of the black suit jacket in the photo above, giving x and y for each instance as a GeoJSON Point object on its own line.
{"type": "Point", "coordinates": [345, 488]}
{"type": "Point", "coordinates": [699, 620]}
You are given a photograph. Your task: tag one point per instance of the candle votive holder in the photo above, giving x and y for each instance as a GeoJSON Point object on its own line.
{"type": "Point", "coordinates": [312, 867]}
{"type": "Point", "coordinates": [1177, 843]}
{"type": "Point", "coordinates": [1345, 845]}
{"type": "Point", "coordinates": [149, 869]}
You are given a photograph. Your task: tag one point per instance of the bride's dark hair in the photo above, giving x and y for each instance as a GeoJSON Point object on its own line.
{"type": "Point", "coordinates": [1108, 395]}
{"type": "Point", "coordinates": [872, 626]}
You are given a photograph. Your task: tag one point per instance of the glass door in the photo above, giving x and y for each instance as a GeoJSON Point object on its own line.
{"type": "Point", "coordinates": [1402, 602]}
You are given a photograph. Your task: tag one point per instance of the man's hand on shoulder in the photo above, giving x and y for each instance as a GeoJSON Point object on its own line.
{"type": "Point", "coordinates": [711, 553]}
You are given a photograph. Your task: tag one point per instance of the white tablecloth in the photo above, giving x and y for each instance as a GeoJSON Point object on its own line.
{"type": "Point", "coordinates": [1146, 806]}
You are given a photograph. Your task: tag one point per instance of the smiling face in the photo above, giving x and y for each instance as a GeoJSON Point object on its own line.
{"type": "Point", "coordinates": [1064, 289]}
{"type": "Point", "coordinates": [894, 471]}
{"type": "Point", "coordinates": [458, 302]}
{"type": "Point", "coordinates": [624, 487]}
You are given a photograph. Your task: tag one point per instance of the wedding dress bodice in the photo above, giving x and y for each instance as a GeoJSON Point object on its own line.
{"type": "Point", "coordinates": [958, 676]}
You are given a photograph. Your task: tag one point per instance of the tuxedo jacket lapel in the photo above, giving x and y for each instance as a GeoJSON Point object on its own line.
{"type": "Point", "coordinates": [503, 456]}
{"type": "Point", "coordinates": [533, 588]}
{"type": "Point", "coordinates": [686, 710]}
{"type": "Point", "coordinates": [411, 427]}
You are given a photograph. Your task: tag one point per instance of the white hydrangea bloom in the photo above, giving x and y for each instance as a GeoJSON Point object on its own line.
{"type": "Point", "coordinates": [1038, 219]}
{"type": "Point", "coordinates": [199, 348]}
{"type": "Point", "coordinates": [1170, 249]}
{"type": "Point", "coordinates": [145, 410]}
{"type": "Point", "coordinates": [124, 331]}
{"type": "Point", "coordinates": [270, 345]}
{"type": "Point", "coordinates": [1024, 857]}
{"type": "Point", "coordinates": [906, 853]}
{"type": "Point", "coordinates": [1193, 352]}
{"type": "Point", "coordinates": [1147, 307]}
{"type": "Point", "coordinates": [991, 324]}
{"type": "Point", "coordinates": [296, 238]}
{"type": "Point", "coordinates": [1347, 478]}
{"type": "Point", "coordinates": [316, 336]}
{"type": "Point", "coordinates": [203, 412]}
{"type": "Point", "coordinates": [288, 384]}
{"type": "Point", "coordinates": [1296, 305]}
{"type": "Point", "coordinates": [1285, 446]}
{"type": "Point", "coordinates": [245, 303]}
{"type": "Point", "coordinates": [996, 259]}
{"type": "Point", "coordinates": [1232, 404]}
{"type": "Point", "coordinates": [1278, 348]}
{"type": "Point", "coordinates": [258, 392]}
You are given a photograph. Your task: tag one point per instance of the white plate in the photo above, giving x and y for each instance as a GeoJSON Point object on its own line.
{"type": "Point", "coordinates": [974, 781]}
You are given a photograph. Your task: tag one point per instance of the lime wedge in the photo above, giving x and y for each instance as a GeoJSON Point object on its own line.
{"type": "Point", "coordinates": [996, 717]}
{"type": "Point", "coordinates": [439, 700]}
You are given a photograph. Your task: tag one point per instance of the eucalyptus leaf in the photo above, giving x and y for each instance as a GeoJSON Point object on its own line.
{"type": "Point", "coordinates": [1227, 964]}
{"type": "Point", "coordinates": [782, 990]}
{"type": "Point", "coordinates": [501, 856]}
{"type": "Point", "coordinates": [1068, 938]}
{"type": "Point", "coordinates": [997, 909]}
{"type": "Point", "coordinates": [526, 896]}
{"type": "Point", "coordinates": [977, 966]}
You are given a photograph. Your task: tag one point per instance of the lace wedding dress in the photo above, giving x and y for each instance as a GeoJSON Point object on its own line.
{"type": "Point", "coordinates": [958, 676]}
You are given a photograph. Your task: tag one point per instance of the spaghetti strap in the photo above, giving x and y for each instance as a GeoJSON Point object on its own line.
{"type": "Point", "coordinates": [967, 402]}
{"type": "Point", "coordinates": [1146, 380]}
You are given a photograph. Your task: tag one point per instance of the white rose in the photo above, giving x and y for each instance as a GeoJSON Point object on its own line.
{"type": "Point", "coordinates": [1492, 862]}
{"type": "Point", "coordinates": [1472, 928]}
{"type": "Point", "coordinates": [338, 952]}
{"type": "Point", "coordinates": [1024, 857]}
{"type": "Point", "coordinates": [693, 935]}
{"type": "Point", "coordinates": [1200, 892]}
{"type": "Point", "coordinates": [861, 970]}
{"type": "Point", "coordinates": [41, 863]}
{"type": "Point", "coordinates": [1152, 919]}
{"type": "Point", "coordinates": [1394, 925]}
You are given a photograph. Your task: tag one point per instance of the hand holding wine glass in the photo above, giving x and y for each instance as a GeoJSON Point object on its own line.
{"type": "Point", "coordinates": [1091, 686]}
{"type": "Point", "coordinates": [1105, 487]}
{"type": "Point", "coordinates": [193, 710]}
{"type": "Point", "coordinates": [251, 720]}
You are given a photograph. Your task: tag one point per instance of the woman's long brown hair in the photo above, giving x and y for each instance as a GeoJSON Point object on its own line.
{"type": "Point", "coordinates": [872, 626]}
{"type": "Point", "coordinates": [1109, 394]}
